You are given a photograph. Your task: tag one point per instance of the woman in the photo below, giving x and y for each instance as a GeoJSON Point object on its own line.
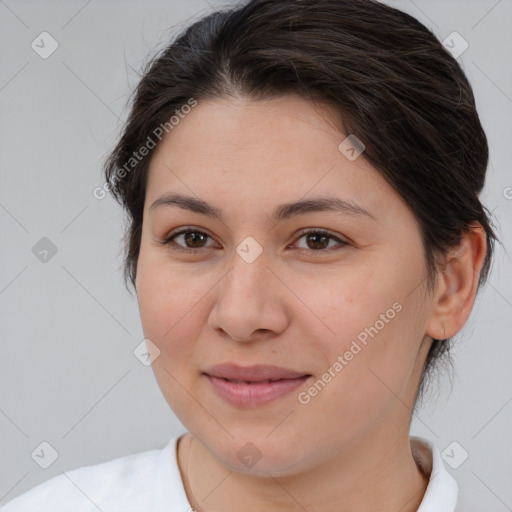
{"type": "Point", "coordinates": [302, 180]}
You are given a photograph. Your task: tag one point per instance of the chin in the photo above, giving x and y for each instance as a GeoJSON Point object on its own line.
{"type": "Point", "coordinates": [257, 455]}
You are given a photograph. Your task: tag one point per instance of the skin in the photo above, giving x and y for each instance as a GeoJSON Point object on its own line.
{"type": "Point", "coordinates": [296, 307]}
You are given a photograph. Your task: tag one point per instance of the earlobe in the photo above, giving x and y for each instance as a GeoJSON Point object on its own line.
{"type": "Point", "coordinates": [457, 284]}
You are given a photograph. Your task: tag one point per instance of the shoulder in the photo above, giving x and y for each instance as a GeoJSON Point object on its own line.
{"type": "Point", "coordinates": [124, 484]}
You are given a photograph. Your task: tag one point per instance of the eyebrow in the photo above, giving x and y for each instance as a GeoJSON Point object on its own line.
{"type": "Point", "coordinates": [281, 212]}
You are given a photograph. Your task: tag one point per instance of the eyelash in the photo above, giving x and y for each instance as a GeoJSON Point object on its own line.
{"type": "Point", "coordinates": [169, 240]}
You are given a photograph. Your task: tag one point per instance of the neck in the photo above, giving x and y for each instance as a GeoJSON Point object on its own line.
{"type": "Point", "coordinates": [376, 474]}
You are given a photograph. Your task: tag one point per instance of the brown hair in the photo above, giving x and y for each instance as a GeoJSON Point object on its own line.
{"type": "Point", "coordinates": [386, 76]}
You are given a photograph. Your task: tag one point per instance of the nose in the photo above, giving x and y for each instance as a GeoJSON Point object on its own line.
{"type": "Point", "coordinates": [250, 303]}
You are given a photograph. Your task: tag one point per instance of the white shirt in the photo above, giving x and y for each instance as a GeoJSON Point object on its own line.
{"type": "Point", "coordinates": [150, 481]}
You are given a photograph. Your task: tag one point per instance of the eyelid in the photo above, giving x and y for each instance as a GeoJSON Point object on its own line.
{"type": "Point", "coordinates": [322, 231]}
{"type": "Point", "coordinates": [184, 229]}
{"type": "Point", "coordinates": [181, 231]}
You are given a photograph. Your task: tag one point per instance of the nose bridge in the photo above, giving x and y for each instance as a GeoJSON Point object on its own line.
{"type": "Point", "coordinates": [243, 282]}
{"type": "Point", "coordinates": [242, 303]}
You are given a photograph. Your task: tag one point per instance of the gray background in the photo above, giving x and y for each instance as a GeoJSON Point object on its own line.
{"type": "Point", "coordinates": [68, 374]}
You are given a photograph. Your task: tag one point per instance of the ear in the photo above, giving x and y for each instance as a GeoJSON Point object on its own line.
{"type": "Point", "coordinates": [456, 284]}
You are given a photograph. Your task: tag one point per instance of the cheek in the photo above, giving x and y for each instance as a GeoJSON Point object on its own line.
{"type": "Point", "coordinates": [347, 303]}
{"type": "Point", "coordinates": [374, 323]}
{"type": "Point", "coordinates": [168, 306]}
{"type": "Point", "coordinates": [168, 311]}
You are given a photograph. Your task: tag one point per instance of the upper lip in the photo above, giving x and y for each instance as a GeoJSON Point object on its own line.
{"type": "Point", "coordinates": [253, 373]}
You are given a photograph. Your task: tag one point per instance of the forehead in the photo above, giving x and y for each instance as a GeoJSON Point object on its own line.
{"type": "Point", "coordinates": [258, 152]}
{"type": "Point", "coordinates": [229, 124]}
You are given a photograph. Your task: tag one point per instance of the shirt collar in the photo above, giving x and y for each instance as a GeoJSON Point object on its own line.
{"type": "Point", "coordinates": [442, 489]}
{"type": "Point", "coordinates": [169, 492]}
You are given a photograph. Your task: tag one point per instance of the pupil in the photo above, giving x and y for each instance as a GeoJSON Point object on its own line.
{"type": "Point", "coordinates": [318, 240]}
{"type": "Point", "coordinates": [323, 239]}
{"type": "Point", "coordinates": [193, 237]}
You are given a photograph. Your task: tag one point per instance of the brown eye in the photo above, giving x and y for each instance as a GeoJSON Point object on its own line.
{"type": "Point", "coordinates": [192, 240]}
{"type": "Point", "coordinates": [318, 240]}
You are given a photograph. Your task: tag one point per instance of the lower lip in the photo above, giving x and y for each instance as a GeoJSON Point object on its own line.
{"type": "Point", "coordinates": [243, 394]}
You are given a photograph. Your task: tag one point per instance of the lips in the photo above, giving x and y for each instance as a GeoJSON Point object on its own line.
{"type": "Point", "coordinates": [257, 373]}
{"type": "Point", "coordinates": [254, 386]}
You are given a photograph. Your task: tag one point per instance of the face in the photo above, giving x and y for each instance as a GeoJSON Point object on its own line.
{"type": "Point", "coordinates": [253, 282]}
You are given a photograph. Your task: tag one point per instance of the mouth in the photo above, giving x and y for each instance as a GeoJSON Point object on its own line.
{"type": "Point", "coordinates": [249, 387]}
